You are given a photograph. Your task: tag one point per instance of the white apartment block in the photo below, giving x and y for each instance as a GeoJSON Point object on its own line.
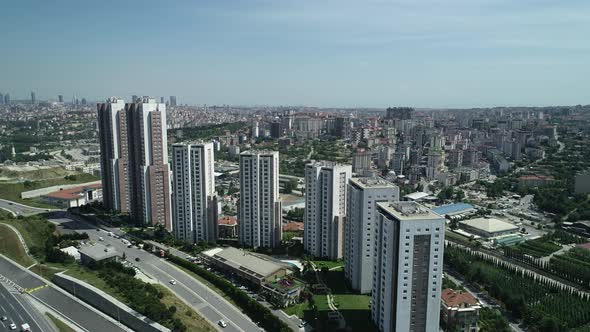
{"type": "Point", "coordinates": [259, 213]}
{"type": "Point", "coordinates": [359, 229]}
{"type": "Point", "coordinates": [408, 268]}
{"type": "Point", "coordinates": [325, 208]}
{"type": "Point", "coordinates": [194, 216]}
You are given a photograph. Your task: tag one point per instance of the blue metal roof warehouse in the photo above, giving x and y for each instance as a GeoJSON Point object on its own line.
{"type": "Point", "coordinates": [452, 209]}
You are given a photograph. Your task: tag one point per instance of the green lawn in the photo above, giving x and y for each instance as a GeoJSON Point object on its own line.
{"type": "Point", "coordinates": [12, 191]}
{"type": "Point", "coordinates": [297, 309]}
{"type": "Point", "coordinates": [190, 318]}
{"type": "Point", "coordinates": [34, 229]}
{"type": "Point", "coordinates": [61, 326]}
{"type": "Point", "coordinates": [12, 248]}
{"type": "Point", "coordinates": [352, 301]}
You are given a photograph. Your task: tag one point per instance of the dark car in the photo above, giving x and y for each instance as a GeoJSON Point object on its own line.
{"type": "Point", "coordinates": [137, 259]}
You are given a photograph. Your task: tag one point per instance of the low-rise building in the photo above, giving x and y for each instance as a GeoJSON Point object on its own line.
{"type": "Point", "coordinates": [72, 251]}
{"type": "Point", "coordinates": [227, 227]}
{"type": "Point", "coordinates": [488, 227]}
{"type": "Point", "coordinates": [535, 180]}
{"type": "Point", "coordinates": [74, 197]}
{"type": "Point", "coordinates": [459, 311]}
{"type": "Point", "coordinates": [256, 268]}
{"type": "Point", "coordinates": [97, 253]}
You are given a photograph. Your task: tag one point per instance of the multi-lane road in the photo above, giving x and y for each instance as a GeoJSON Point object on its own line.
{"type": "Point", "coordinates": [205, 301]}
{"type": "Point", "coordinates": [20, 209]}
{"type": "Point", "coordinates": [57, 300]}
{"type": "Point", "coordinates": [13, 307]}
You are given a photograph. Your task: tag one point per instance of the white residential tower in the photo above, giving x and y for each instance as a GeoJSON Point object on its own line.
{"type": "Point", "coordinates": [194, 201]}
{"type": "Point", "coordinates": [408, 268]}
{"type": "Point", "coordinates": [359, 242]}
{"type": "Point", "coordinates": [325, 208]}
{"type": "Point", "coordinates": [259, 215]}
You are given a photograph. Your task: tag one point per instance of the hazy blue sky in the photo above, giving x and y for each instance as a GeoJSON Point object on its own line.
{"type": "Point", "coordinates": [423, 53]}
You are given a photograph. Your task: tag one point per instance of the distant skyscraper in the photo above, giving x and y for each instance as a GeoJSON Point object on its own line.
{"type": "Point", "coordinates": [162, 100]}
{"type": "Point", "coordinates": [1, 99]}
{"type": "Point", "coordinates": [361, 161]}
{"type": "Point", "coordinates": [7, 98]}
{"type": "Point", "coordinates": [260, 213]}
{"type": "Point", "coordinates": [195, 203]}
{"type": "Point", "coordinates": [148, 163]}
{"type": "Point", "coordinates": [255, 130]}
{"type": "Point", "coordinates": [114, 154]}
{"type": "Point", "coordinates": [408, 267]}
{"type": "Point", "coordinates": [135, 99]}
{"type": "Point", "coordinates": [172, 101]}
{"type": "Point", "coordinates": [399, 113]}
{"type": "Point", "coordinates": [60, 98]}
{"type": "Point", "coordinates": [276, 130]}
{"type": "Point", "coordinates": [325, 208]}
{"type": "Point", "coordinates": [33, 98]}
{"type": "Point", "coordinates": [359, 240]}
{"type": "Point", "coordinates": [84, 102]}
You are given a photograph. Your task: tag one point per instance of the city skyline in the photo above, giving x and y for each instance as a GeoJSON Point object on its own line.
{"type": "Point", "coordinates": [353, 54]}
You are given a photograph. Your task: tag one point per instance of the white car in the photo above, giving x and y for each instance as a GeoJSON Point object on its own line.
{"type": "Point", "coordinates": [101, 239]}
{"type": "Point", "coordinates": [173, 282]}
{"type": "Point", "coordinates": [222, 323]}
{"type": "Point", "coordinates": [12, 326]}
{"type": "Point", "coordinates": [3, 318]}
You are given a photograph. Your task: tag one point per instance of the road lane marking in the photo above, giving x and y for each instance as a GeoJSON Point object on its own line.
{"type": "Point", "coordinates": [31, 290]}
{"type": "Point", "coordinates": [199, 297]}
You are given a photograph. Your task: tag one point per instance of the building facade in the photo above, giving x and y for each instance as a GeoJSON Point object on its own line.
{"type": "Point", "coordinates": [459, 311]}
{"type": "Point", "coordinates": [408, 268]}
{"type": "Point", "coordinates": [114, 154]}
{"type": "Point", "coordinates": [359, 231]}
{"type": "Point", "coordinates": [194, 201]}
{"type": "Point", "coordinates": [325, 208]}
{"type": "Point", "coordinates": [259, 214]}
{"type": "Point", "coordinates": [148, 163]}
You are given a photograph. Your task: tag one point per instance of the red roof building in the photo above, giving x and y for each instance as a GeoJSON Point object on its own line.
{"type": "Point", "coordinates": [459, 310]}
{"type": "Point", "coordinates": [74, 197]}
{"type": "Point", "coordinates": [228, 227]}
{"type": "Point", "coordinates": [293, 227]}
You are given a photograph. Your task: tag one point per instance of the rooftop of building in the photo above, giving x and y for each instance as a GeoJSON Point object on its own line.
{"type": "Point", "coordinates": [326, 163]}
{"type": "Point", "coordinates": [293, 227]}
{"type": "Point", "coordinates": [490, 225]}
{"type": "Point", "coordinates": [535, 177]}
{"type": "Point", "coordinates": [416, 196]}
{"type": "Point", "coordinates": [451, 209]}
{"type": "Point", "coordinates": [453, 298]}
{"type": "Point", "coordinates": [258, 265]}
{"type": "Point", "coordinates": [98, 251]}
{"type": "Point", "coordinates": [371, 182]}
{"type": "Point", "coordinates": [408, 211]}
{"type": "Point", "coordinates": [259, 152]}
{"type": "Point", "coordinates": [584, 246]}
{"type": "Point", "coordinates": [227, 221]}
{"type": "Point", "coordinates": [73, 193]}
{"type": "Point", "coordinates": [285, 285]}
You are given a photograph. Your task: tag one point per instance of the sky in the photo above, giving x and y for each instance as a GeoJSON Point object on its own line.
{"type": "Point", "coordinates": [327, 53]}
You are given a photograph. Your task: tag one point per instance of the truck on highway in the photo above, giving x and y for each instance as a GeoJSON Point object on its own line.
{"type": "Point", "coordinates": [25, 327]}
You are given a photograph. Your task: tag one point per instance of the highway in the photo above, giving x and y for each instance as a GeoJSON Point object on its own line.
{"type": "Point", "coordinates": [58, 300]}
{"type": "Point", "coordinates": [15, 311]}
{"type": "Point", "coordinates": [205, 301]}
{"type": "Point", "coordinates": [19, 209]}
